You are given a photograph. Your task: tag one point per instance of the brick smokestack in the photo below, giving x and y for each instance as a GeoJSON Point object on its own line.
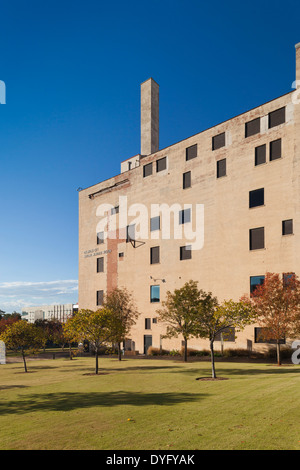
{"type": "Point", "coordinates": [149, 117]}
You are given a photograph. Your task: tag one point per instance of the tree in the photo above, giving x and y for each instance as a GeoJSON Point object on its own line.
{"type": "Point", "coordinates": [277, 306]}
{"type": "Point", "coordinates": [179, 311]}
{"type": "Point", "coordinates": [214, 319]}
{"type": "Point", "coordinates": [24, 337]}
{"type": "Point", "coordinates": [94, 326]}
{"type": "Point", "coordinates": [124, 315]}
{"type": "Point", "coordinates": [6, 322]}
{"type": "Point", "coordinates": [72, 332]}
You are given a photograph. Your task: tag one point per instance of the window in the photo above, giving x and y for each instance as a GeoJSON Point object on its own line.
{"type": "Point", "coordinates": [154, 294]}
{"type": "Point", "coordinates": [99, 297]}
{"type": "Point", "coordinates": [288, 278]}
{"type": "Point", "coordinates": [185, 252]}
{"type": "Point", "coordinates": [252, 127]}
{"type": "Point", "coordinates": [161, 164]}
{"type": "Point", "coordinates": [100, 238]}
{"type": "Point", "coordinates": [186, 180]}
{"type": "Point", "coordinates": [257, 238]}
{"type": "Point", "coordinates": [256, 198]}
{"type": "Point", "coordinates": [191, 152]}
{"type": "Point", "coordinates": [121, 255]}
{"type": "Point", "coordinates": [154, 320]}
{"type": "Point", "coordinates": [184, 216]}
{"type": "Point", "coordinates": [154, 255]}
{"type": "Point", "coordinates": [147, 323]}
{"type": "Point", "coordinates": [276, 117]}
{"type": "Point", "coordinates": [260, 154]}
{"type": "Point", "coordinates": [147, 170]}
{"type": "Point", "coordinates": [275, 149]}
{"type": "Point", "coordinates": [129, 165]}
{"type": "Point", "coordinates": [228, 335]}
{"type": "Point", "coordinates": [256, 281]}
{"type": "Point", "coordinates": [154, 223]}
{"type": "Point", "coordinates": [130, 233]}
{"type": "Point", "coordinates": [221, 168]}
{"type": "Point", "coordinates": [287, 227]}
{"type": "Point", "coordinates": [259, 336]}
{"type": "Point", "coordinates": [100, 265]}
{"type": "Point", "coordinates": [218, 141]}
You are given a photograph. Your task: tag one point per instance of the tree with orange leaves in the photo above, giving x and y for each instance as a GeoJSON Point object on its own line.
{"type": "Point", "coordinates": [277, 305]}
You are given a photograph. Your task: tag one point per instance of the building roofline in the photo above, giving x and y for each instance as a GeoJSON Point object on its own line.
{"type": "Point", "coordinates": [191, 136]}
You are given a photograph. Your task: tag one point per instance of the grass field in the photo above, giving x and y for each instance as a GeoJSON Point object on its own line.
{"type": "Point", "coordinates": [141, 404]}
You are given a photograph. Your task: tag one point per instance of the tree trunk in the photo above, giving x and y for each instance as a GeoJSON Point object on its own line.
{"type": "Point", "coordinates": [185, 350]}
{"type": "Point", "coordinates": [70, 352]}
{"type": "Point", "coordinates": [97, 367]}
{"type": "Point", "coordinates": [24, 360]}
{"type": "Point", "coordinates": [278, 354]}
{"type": "Point", "coordinates": [119, 352]}
{"type": "Point", "coordinates": [212, 355]}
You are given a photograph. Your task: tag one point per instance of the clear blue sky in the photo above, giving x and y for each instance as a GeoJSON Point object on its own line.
{"type": "Point", "coordinates": [73, 71]}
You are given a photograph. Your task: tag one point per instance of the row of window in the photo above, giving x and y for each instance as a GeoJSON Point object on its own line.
{"type": "Point", "coordinates": [275, 118]}
{"type": "Point", "coordinates": [257, 235]}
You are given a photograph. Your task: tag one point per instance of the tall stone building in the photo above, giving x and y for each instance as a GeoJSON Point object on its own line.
{"type": "Point", "coordinates": [221, 207]}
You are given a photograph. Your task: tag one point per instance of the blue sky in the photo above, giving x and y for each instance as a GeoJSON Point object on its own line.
{"type": "Point", "coordinates": [73, 71]}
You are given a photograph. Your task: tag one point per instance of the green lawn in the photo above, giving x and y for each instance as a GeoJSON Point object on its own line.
{"type": "Point", "coordinates": [148, 404]}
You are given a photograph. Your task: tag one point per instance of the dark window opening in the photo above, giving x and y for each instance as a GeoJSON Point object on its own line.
{"type": "Point", "coordinates": [130, 233]}
{"type": "Point", "coordinates": [256, 198]}
{"type": "Point", "coordinates": [147, 170]}
{"type": "Point", "coordinates": [154, 255]}
{"type": "Point", "coordinates": [186, 180]}
{"type": "Point", "coordinates": [100, 265]}
{"type": "Point", "coordinates": [260, 336]}
{"type": "Point", "coordinates": [256, 281]}
{"type": "Point", "coordinates": [99, 297]}
{"type": "Point", "coordinates": [100, 238]}
{"type": "Point", "coordinates": [147, 323]}
{"type": "Point", "coordinates": [257, 238]}
{"type": "Point", "coordinates": [218, 141]}
{"type": "Point", "coordinates": [161, 164]}
{"type": "Point", "coordinates": [287, 227]}
{"type": "Point", "coordinates": [252, 127]}
{"type": "Point", "coordinates": [260, 154]}
{"type": "Point", "coordinates": [191, 152]}
{"type": "Point", "coordinates": [221, 168]}
{"type": "Point", "coordinates": [185, 252]}
{"type": "Point", "coordinates": [228, 334]}
{"type": "Point", "coordinates": [275, 149]}
{"type": "Point", "coordinates": [276, 117]}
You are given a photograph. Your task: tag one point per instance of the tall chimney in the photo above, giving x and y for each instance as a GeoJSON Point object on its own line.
{"type": "Point", "coordinates": [149, 117]}
{"type": "Point", "coordinates": [298, 63]}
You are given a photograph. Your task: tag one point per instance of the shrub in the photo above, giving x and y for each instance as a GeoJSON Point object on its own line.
{"type": "Point", "coordinates": [175, 352]}
{"type": "Point", "coordinates": [157, 351]}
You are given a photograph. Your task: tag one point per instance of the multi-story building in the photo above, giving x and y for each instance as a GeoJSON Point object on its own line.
{"type": "Point", "coordinates": [59, 312]}
{"type": "Point", "coordinates": [234, 192]}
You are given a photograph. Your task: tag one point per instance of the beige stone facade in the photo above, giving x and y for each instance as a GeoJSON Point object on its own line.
{"type": "Point", "coordinates": [222, 166]}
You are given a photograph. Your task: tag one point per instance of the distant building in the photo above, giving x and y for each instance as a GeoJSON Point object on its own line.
{"type": "Point", "coordinates": [49, 312]}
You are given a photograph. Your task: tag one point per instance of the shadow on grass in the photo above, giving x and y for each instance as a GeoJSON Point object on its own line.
{"type": "Point", "coordinates": [8, 387]}
{"type": "Point", "coordinates": [69, 401]}
{"type": "Point", "coordinates": [269, 369]}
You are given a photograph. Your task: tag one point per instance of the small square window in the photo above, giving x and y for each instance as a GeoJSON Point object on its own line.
{"type": "Point", "coordinates": [185, 252]}
{"type": "Point", "coordinates": [287, 227]}
{"type": "Point", "coordinates": [257, 238]}
{"type": "Point", "coordinates": [218, 141]}
{"type": "Point", "coordinates": [275, 149]}
{"type": "Point", "coordinates": [186, 180]}
{"type": "Point", "coordinates": [147, 170]}
{"type": "Point", "coordinates": [276, 117]}
{"type": "Point", "coordinates": [221, 168]}
{"type": "Point", "coordinates": [260, 154]}
{"type": "Point", "coordinates": [114, 210]}
{"type": "Point", "coordinates": [154, 320]}
{"type": "Point", "coordinates": [161, 164]}
{"type": "Point", "coordinates": [191, 152]}
{"type": "Point", "coordinates": [256, 198]}
{"type": "Point", "coordinates": [252, 127]}
{"type": "Point", "coordinates": [154, 294]}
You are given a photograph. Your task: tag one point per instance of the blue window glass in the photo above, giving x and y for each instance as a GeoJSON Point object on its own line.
{"type": "Point", "coordinates": [154, 293]}
{"type": "Point", "coordinates": [256, 281]}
